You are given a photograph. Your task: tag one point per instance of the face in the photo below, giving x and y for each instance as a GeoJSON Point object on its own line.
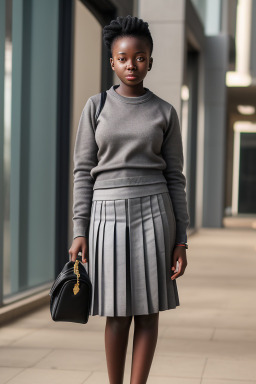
{"type": "Point", "coordinates": [131, 56]}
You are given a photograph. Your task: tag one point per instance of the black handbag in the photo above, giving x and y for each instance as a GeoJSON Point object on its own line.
{"type": "Point", "coordinates": [71, 294]}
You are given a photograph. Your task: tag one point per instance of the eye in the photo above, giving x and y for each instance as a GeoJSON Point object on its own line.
{"type": "Point", "coordinates": [121, 59]}
{"type": "Point", "coordinates": [140, 57]}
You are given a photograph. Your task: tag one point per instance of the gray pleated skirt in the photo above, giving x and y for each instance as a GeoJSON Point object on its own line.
{"type": "Point", "coordinates": [131, 238]}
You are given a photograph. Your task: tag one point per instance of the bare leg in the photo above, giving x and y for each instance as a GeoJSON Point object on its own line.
{"type": "Point", "coordinates": [144, 344]}
{"type": "Point", "coordinates": [116, 341]}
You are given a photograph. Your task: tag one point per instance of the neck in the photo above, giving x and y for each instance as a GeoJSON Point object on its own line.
{"type": "Point", "coordinates": [130, 90]}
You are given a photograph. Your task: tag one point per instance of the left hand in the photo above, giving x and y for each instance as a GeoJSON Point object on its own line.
{"type": "Point", "coordinates": [179, 254]}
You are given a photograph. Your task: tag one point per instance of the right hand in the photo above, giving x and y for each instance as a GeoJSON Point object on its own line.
{"type": "Point", "coordinates": [79, 244]}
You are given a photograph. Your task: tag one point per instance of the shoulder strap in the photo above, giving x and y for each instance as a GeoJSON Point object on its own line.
{"type": "Point", "coordinates": [102, 102]}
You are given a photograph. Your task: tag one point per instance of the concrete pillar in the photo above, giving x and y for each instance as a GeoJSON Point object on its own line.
{"type": "Point", "coordinates": [216, 64]}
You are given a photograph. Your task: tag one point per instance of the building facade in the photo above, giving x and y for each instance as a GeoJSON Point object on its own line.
{"type": "Point", "coordinates": [52, 59]}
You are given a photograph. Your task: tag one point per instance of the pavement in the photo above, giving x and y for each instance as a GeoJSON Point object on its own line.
{"type": "Point", "coordinates": [209, 339]}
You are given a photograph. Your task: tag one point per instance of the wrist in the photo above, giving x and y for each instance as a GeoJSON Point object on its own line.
{"type": "Point", "coordinates": [181, 244]}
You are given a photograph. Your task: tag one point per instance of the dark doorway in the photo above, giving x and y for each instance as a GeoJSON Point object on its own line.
{"type": "Point", "coordinates": [192, 84]}
{"type": "Point", "coordinates": [247, 173]}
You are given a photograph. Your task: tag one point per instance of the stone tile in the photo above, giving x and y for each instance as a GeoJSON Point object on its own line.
{"type": "Point", "coordinates": [175, 332]}
{"type": "Point", "coordinates": [10, 334]}
{"type": "Point", "coordinates": [63, 339]}
{"type": "Point", "coordinates": [42, 313]}
{"type": "Point", "coordinates": [42, 376]}
{"type": "Point", "coordinates": [241, 299]}
{"type": "Point", "coordinates": [245, 335]}
{"type": "Point", "coordinates": [174, 380]}
{"type": "Point", "coordinates": [212, 317]}
{"type": "Point", "coordinates": [169, 365]}
{"type": "Point", "coordinates": [230, 369]}
{"type": "Point", "coordinates": [21, 357]}
{"type": "Point", "coordinates": [6, 373]}
{"type": "Point", "coordinates": [204, 348]}
{"type": "Point", "coordinates": [191, 317]}
{"type": "Point", "coordinates": [97, 378]}
{"type": "Point", "coordinates": [102, 378]}
{"type": "Point", "coordinates": [29, 322]}
{"type": "Point", "coordinates": [81, 360]}
{"type": "Point", "coordinates": [218, 297]}
{"type": "Point", "coordinates": [210, 381]}
{"type": "Point", "coordinates": [3, 343]}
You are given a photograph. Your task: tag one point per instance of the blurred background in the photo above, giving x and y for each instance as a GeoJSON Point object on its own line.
{"type": "Point", "coordinates": [52, 60]}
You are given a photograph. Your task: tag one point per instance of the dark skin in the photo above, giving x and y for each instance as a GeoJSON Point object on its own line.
{"type": "Point", "coordinates": [135, 59]}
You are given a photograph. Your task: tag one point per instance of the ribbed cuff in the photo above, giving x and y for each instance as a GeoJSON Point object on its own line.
{"type": "Point", "coordinates": [80, 228]}
{"type": "Point", "coordinates": [181, 238]}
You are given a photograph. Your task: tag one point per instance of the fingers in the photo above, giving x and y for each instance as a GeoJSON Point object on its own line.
{"type": "Point", "coordinates": [181, 266]}
{"type": "Point", "coordinates": [73, 255]}
{"type": "Point", "coordinates": [74, 252]}
{"type": "Point", "coordinates": [178, 273]}
{"type": "Point", "coordinates": [84, 255]}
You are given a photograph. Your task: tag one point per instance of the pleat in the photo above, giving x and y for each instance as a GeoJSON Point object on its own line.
{"type": "Point", "coordinates": [160, 251]}
{"type": "Point", "coordinates": [120, 258]}
{"type": "Point", "coordinates": [171, 216]}
{"type": "Point", "coordinates": [90, 261]}
{"type": "Point", "coordinates": [100, 269]}
{"type": "Point", "coordinates": [94, 256]}
{"type": "Point", "coordinates": [128, 264]}
{"type": "Point", "coordinates": [109, 259]}
{"type": "Point", "coordinates": [169, 233]}
{"type": "Point", "coordinates": [88, 265]}
{"type": "Point", "coordinates": [150, 255]}
{"type": "Point", "coordinates": [137, 262]}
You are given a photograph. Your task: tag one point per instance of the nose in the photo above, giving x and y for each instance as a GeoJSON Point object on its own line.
{"type": "Point", "coordinates": [131, 65]}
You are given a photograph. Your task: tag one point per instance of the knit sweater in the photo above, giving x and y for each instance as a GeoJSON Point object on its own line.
{"type": "Point", "coordinates": [132, 139]}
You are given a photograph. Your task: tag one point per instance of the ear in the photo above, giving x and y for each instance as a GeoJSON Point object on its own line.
{"type": "Point", "coordinates": [112, 63]}
{"type": "Point", "coordinates": [150, 63]}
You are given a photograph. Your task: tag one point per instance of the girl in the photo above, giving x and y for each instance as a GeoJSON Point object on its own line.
{"type": "Point", "coordinates": [130, 209]}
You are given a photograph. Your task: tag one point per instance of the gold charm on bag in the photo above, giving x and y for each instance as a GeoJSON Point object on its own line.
{"type": "Point", "coordinates": [76, 271]}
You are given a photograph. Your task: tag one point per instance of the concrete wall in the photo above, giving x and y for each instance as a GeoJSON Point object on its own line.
{"type": "Point", "coordinates": [166, 21]}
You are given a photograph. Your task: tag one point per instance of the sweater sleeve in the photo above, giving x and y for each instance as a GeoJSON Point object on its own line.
{"type": "Point", "coordinates": [172, 152]}
{"type": "Point", "coordinates": [85, 158]}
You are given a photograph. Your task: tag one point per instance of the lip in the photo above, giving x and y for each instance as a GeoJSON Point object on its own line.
{"type": "Point", "coordinates": [131, 77]}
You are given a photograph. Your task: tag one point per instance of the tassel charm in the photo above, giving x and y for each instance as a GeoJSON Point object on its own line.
{"type": "Point", "coordinates": [76, 288]}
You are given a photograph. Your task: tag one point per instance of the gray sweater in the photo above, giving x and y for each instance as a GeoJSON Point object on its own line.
{"type": "Point", "coordinates": [136, 137]}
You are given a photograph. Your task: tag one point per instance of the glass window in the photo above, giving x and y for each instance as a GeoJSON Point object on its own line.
{"type": "Point", "coordinates": [30, 125]}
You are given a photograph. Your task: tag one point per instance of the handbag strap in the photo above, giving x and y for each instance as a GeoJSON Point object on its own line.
{"type": "Point", "coordinates": [102, 102]}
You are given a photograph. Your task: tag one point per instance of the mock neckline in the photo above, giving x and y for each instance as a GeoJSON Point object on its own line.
{"type": "Point", "coordinates": [130, 100]}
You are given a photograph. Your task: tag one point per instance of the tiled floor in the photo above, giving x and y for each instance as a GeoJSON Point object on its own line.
{"type": "Point", "coordinates": [209, 339]}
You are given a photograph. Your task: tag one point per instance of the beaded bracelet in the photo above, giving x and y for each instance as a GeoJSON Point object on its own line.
{"type": "Point", "coordinates": [182, 245]}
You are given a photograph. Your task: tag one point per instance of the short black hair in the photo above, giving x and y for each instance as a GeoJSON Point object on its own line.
{"type": "Point", "coordinates": [126, 26]}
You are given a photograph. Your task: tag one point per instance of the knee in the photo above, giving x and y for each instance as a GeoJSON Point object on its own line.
{"type": "Point", "coordinates": [146, 321]}
{"type": "Point", "coordinates": [119, 323]}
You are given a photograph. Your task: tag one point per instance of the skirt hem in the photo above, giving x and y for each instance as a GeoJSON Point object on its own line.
{"type": "Point", "coordinates": [135, 314]}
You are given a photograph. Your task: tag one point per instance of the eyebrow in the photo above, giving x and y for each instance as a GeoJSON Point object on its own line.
{"type": "Point", "coordinates": [135, 52]}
